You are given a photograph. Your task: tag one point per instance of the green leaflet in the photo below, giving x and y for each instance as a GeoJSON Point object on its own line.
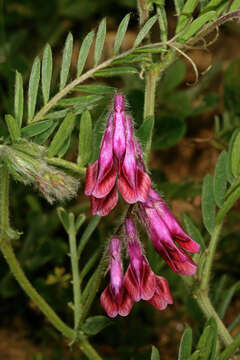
{"type": "Point", "coordinates": [61, 135]}
{"type": "Point", "coordinates": [220, 179]}
{"type": "Point", "coordinates": [46, 72]}
{"type": "Point", "coordinates": [94, 324]}
{"type": "Point", "coordinates": [100, 38]}
{"type": "Point", "coordinates": [155, 354]}
{"type": "Point", "coordinates": [185, 345]}
{"type": "Point", "coordinates": [120, 34]}
{"type": "Point", "coordinates": [13, 128]}
{"type": "Point", "coordinates": [36, 128]}
{"type": "Point", "coordinates": [33, 88]}
{"type": "Point", "coordinates": [18, 99]}
{"type": "Point", "coordinates": [193, 231]}
{"type": "Point", "coordinates": [145, 30]}
{"type": "Point", "coordinates": [116, 71]}
{"type": "Point", "coordinates": [85, 139]}
{"type": "Point", "coordinates": [66, 60]}
{"type": "Point", "coordinates": [208, 204]}
{"type": "Point", "coordinates": [84, 51]}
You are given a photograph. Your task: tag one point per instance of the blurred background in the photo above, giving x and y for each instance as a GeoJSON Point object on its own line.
{"type": "Point", "coordinates": [186, 144]}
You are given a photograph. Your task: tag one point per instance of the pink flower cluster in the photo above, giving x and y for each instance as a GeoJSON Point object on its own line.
{"type": "Point", "coordinates": [120, 164]}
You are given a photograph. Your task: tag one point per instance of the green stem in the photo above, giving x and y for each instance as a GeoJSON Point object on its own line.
{"type": "Point", "coordinates": [209, 311]}
{"type": "Point", "coordinates": [75, 271]}
{"type": "Point", "coordinates": [68, 165]}
{"type": "Point", "coordinates": [205, 278]}
{"type": "Point", "coordinates": [87, 233]}
{"type": "Point", "coordinates": [230, 350]}
{"type": "Point", "coordinates": [4, 194]}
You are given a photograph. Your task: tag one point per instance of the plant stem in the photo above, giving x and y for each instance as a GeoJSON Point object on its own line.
{"type": "Point", "coordinates": [87, 233]}
{"type": "Point", "coordinates": [209, 311]}
{"type": "Point", "coordinates": [68, 165]}
{"type": "Point", "coordinates": [22, 280]}
{"type": "Point", "coordinates": [75, 271]}
{"type": "Point", "coordinates": [205, 278]}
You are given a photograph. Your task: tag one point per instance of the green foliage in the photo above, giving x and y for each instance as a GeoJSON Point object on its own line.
{"type": "Point", "coordinates": [155, 354]}
{"type": "Point", "coordinates": [144, 31]}
{"type": "Point", "coordinates": [220, 179]}
{"type": "Point", "coordinates": [93, 325]}
{"type": "Point", "coordinates": [185, 345]}
{"type": "Point", "coordinates": [100, 38]}
{"type": "Point", "coordinates": [120, 34]}
{"type": "Point", "coordinates": [46, 72]}
{"type": "Point", "coordinates": [208, 203]}
{"type": "Point", "coordinates": [66, 60]}
{"type": "Point", "coordinates": [33, 88]}
{"type": "Point", "coordinates": [84, 50]}
{"type": "Point", "coordinates": [85, 139]}
{"type": "Point", "coordinates": [18, 99]}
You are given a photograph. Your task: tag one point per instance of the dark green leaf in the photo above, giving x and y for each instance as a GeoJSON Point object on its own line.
{"type": "Point", "coordinates": [84, 51]}
{"type": "Point", "coordinates": [100, 38]}
{"type": "Point", "coordinates": [145, 30]}
{"type": "Point", "coordinates": [18, 99]}
{"type": "Point", "coordinates": [168, 131]}
{"type": "Point", "coordinates": [135, 58]}
{"type": "Point", "coordinates": [231, 82]}
{"type": "Point", "coordinates": [95, 89]}
{"type": "Point", "coordinates": [116, 71]}
{"type": "Point", "coordinates": [33, 88]}
{"type": "Point", "coordinates": [155, 354]}
{"type": "Point", "coordinates": [120, 34]}
{"type": "Point", "coordinates": [207, 341]}
{"type": "Point", "coordinates": [79, 221]}
{"type": "Point", "coordinates": [80, 100]}
{"type": "Point", "coordinates": [13, 128]}
{"type": "Point", "coordinates": [36, 128]}
{"type": "Point", "coordinates": [220, 179]}
{"type": "Point", "coordinates": [46, 72]}
{"type": "Point", "coordinates": [85, 139]}
{"type": "Point", "coordinates": [41, 138]}
{"type": "Point", "coordinates": [63, 216]}
{"type": "Point", "coordinates": [193, 231]}
{"type": "Point", "coordinates": [66, 60]}
{"type": "Point", "coordinates": [197, 24]}
{"type": "Point", "coordinates": [185, 345]}
{"type": "Point", "coordinates": [229, 156]}
{"type": "Point", "coordinates": [64, 148]}
{"type": "Point", "coordinates": [208, 204]}
{"type": "Point", "coordinates": [93, 325]}
{"type": "Point", "coordinates": [186, 14]}
{"type": "Point", "coordinates": [236, 156]}
{"type": "Point", "coordinates": [226, 298]}
{"type": "Point", "coordinates": [61, 135]}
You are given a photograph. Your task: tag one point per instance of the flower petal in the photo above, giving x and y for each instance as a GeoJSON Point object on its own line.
{"type": "Point", "coordinates": [162, 296]}
{"type": "Point", "coordinates": [148, 282]}
{"type": "Point", "coordinates": [102, 207]}
{"type": "Point", "coordinates": [103, 187]}
{"type": "Point", "coordinates": [143, 185]}
{"type": "Point", "coordinates": [91, 177]}
{"type": "Point", "coordinates": [108, 302]}
{"type": "Point", "coordinates": [126, 304]}
{"type": "Point", "coordinates": [131, 284]}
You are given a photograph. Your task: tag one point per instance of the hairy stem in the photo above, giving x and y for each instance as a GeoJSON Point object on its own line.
{"type": "Point", "coordinates": [206, 274]}
{"type": "Point", "coordinates": [65, 164]}
{"type": "Point", "coordinates": [209, 311]}
{"type": "Point", "coordinates": [75, 271]}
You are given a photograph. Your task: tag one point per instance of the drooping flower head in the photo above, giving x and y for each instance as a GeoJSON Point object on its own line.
{"type": "Point", "coordinates": [116, 165]}
{"type": "Point", "coordinates": [115, 298]}
{"type": "Point", "coordinates": [168, 238]}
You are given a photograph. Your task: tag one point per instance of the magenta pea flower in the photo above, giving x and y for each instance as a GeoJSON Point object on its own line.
{"type": "Point", "coordinates": [139, 279]}
{"type": "Point", "coordinates": [168, 238]}
{"type": "Point", "coordinates": [162, 296]}
{"type": "Point", "coordinates": [116, 165]}
{"type": "Point", "coordinates": [115, 299]}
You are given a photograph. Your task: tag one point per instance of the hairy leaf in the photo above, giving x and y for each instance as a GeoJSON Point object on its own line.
{"type": "Point", "coordinates": [208, 204]}
{"type": "Point", "coordinates": [220, 179]}
{"type": "Point", "coordinates": [155, 354]}
{"type": "Point", "coordinates": [236, 156]}
{"type": "Point", "coordinates": [61, 135]}
{"type": "Point", "coordinates": [13, 128]}
{"type": "Point", "coordinates": [100, 38]}
{"type": "Point", "coordinates": [93, 325]}
{"type": "Point", "coordinates": [66, 60]}
{"type": "Point", "coordinates": [145, 30]}
{"type": "Point", "coordinates": [120, 34]}
{"type": "Point", "coordinates": [116, 71]}
{"type": "Point", "coordinates": [36, 128]}
{"type": "Point", "coordinates": [33, 88]}
{"type": "Point", "coordinates": [84, 51]}
{"type": "Point", "coordinates": [18, 99]}
{"type": "Point", "coordinates": [193, 231]}
{"type": "Point", "coordinates": [96, 89]}
{"type": "Point", "coordinates": [186, 14]}
{"type": "Point", "coordinates": [198, 24]}
{"type": "Point", "coordinates": [185, 345]}
{"type": "Point", "coordinates": [85, 139]}
{"type": "Point", "coordinates": [46, 72]}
